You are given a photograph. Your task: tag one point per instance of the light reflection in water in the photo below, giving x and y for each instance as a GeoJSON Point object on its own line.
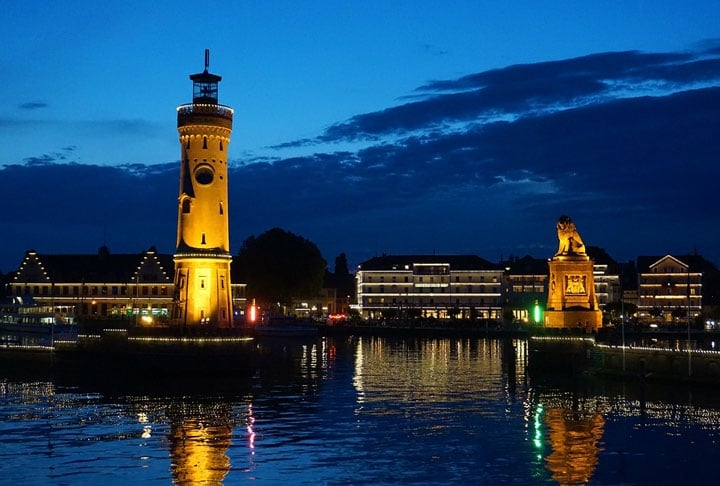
{"type": "Point", "coordinates": [573, 437]}
{"type": "Point", "coordinates": [351, 410]}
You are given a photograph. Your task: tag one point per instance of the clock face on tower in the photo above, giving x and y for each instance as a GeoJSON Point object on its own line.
{"type": "Point", "coordinates": [204, 174]}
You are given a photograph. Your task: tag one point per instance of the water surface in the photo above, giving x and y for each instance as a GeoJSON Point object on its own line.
{"type": "Point", "coordinates": [355, 411]}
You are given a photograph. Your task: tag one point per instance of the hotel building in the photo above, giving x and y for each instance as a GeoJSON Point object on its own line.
{"type": "Point", "coordinates": [438, 286]}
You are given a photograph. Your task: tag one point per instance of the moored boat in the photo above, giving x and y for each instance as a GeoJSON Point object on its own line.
{"type": "Point", "coordinates": [23, 321]}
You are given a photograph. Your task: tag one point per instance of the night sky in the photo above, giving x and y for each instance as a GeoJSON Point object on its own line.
{"type": "Point", "coordinates": [368, 127]}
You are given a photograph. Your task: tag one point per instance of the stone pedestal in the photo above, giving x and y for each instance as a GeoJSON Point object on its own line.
{"type": "Point", "coordinates": [572, 303]}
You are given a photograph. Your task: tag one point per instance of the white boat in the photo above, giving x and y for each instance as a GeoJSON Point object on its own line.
{"type": "Point", "coordinates": [22, 319]}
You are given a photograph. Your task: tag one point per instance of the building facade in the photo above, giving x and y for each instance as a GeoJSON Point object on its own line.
{"type": "Point", "coordinates": [429, 286]}
{"type": "Point", "coordinates": [606, 273]}
{"type": "Point", "coordinates": [136, 288]}
{"type": "Point", "coordinates": [669, 289]}
{"type": "Point", "coordinates": [525, 288]}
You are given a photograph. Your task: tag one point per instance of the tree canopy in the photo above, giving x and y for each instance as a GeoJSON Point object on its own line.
{"type": "Point", "coordinates": [278, 266]}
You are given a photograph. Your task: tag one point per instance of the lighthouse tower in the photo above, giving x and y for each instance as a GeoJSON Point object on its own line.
{"type": "Point", "coordinates": [202, 257]}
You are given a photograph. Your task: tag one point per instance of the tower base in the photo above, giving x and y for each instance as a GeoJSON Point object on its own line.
{"type": "Point", "coordinates": [587, 320]}
{"type": "Point", "coordinates": [572, 303]}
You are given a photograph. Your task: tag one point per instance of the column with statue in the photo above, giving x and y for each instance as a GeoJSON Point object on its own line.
{"type": "Point", "coordinates": [572, 302]}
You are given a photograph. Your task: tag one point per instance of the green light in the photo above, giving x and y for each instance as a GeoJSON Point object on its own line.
{"type": "Point", "coordinates": [537, 313]}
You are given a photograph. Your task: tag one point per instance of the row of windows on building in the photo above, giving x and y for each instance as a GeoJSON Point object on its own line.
{"type": "Point", "coordinates": [417, 278]}
{"type": "Point", "coordinates": [394, 302]}
{"type": "Point", "coordinates": [436, 289]}
{"type": "Point", "coordinates": [91, 290]}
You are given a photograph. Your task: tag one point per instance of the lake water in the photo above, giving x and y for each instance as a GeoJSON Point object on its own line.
{"type": "Point", "coordinates": [356, 411]}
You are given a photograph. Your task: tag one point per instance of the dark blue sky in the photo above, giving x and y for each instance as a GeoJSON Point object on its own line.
{"type": "Point", "coordinates": [386, 129]}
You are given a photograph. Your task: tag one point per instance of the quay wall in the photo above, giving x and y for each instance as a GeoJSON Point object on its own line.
{"type": "Point", "coordinates": [658, 363]}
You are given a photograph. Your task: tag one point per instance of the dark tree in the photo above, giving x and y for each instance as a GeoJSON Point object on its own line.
{"type": "Point", "coordinates": [341, 265]}
{"type": "Point", "coordinates": [278, 266]}
{"type": "Point", "coordinates": [344, 282]}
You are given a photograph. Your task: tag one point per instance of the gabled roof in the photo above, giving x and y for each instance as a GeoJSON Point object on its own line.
{"type": "Point", "coordinates": [456, 262]}
{"type": "Point", "coordinates": [694, 262]}
{"type": "Point", "coordinates": [100, 267]}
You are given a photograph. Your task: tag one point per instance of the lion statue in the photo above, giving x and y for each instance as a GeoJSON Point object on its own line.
{"type": "Point", "coordinates": [570, 241]}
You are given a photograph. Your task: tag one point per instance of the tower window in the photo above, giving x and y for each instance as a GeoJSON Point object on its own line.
{"type": "Point", "coordinates": [221, 209]}
{"type": "Point", "coordinates": [202, 241]}
{"type": "Point", "coordinates": [204, 142]}
{"type": "Point", "coordinates": [186, 206]}
{"type": "Point", "coordinates": [221, 145]}
{"type": "Point", "coordinates": [187, 144]}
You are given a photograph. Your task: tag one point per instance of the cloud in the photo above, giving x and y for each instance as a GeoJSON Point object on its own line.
{"type": "Point", "coordinates": [530, 90]}
{"type": "Point", "coordinates": [625, 143]}
{"type": "Point", "coordinates": [33, 105]}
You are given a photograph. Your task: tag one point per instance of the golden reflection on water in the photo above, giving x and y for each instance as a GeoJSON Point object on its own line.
{"type": "Point", "coordinates": [199, 446]}
{"type": "Point", "coordinates": [574, 437]}
{"type": "Point", "coordinates": [434, 370]}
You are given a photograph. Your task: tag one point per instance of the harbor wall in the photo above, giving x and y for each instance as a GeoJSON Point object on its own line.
{"type": "Point", "coordinates": [663, 363]}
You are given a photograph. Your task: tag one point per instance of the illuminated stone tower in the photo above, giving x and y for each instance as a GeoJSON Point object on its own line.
{"type": "Point", "coordinates": [202, 256]}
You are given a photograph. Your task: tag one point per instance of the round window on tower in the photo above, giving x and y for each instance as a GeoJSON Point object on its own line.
{"type": "Point", "coordinates": [204, 174]}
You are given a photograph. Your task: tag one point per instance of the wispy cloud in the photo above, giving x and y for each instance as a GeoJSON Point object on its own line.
{"type": "Point", "coordinates": [33, 105]}
{"type": "Point", "coordinates": [531, 89]}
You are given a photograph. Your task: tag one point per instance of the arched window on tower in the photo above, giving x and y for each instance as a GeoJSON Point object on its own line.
{"type": "Point", "coordinates": [221, 208]}
{"type": "Point", "coordinates": [221, 145]}
{"type": "Point", "coordinates": [204, 142]}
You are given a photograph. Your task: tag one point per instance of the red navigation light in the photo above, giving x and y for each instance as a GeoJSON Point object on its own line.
{"type": "Point", "coordinates": [252, 312]}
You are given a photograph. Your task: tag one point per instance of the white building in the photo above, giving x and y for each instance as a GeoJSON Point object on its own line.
{"type": "Point", "coordinates": [439, 286]}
